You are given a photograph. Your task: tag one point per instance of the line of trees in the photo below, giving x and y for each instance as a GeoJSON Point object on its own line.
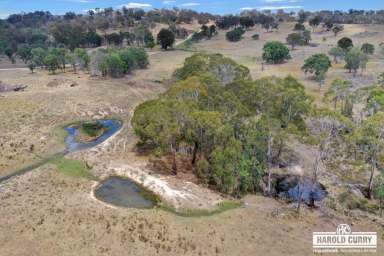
{"type": "Point", "coordinates": [53, 59]}
{"type": "Point", "coordinates": [117, 62]}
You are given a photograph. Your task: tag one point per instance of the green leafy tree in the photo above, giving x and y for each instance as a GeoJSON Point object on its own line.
{"type": "Point", "coordinates": [355, 59]}
{"type": "Point", "coordinates": [82, 57]}
{"type": "Point", "coordinates": [71, 59]}
{"type": "Point", "coordinates": [294, 39]}
{"type": "Point", "coordinates": [38, 56]}
{"type": "Point", "coordinates": [375, 100]}
{"type": "Point", "coordinates": [52, 62]}
{"type": "Point", "coordinates": [60, 53]}
{"type": "Point", "coordinates": [72, 34]}
{"type": "Point", "coordinates": [223, 69]}
{"type": "Point", "coordinates": [339, 92]}
{"type": "Point", "coordinates": [113, 65]}
{"type": "Point", "coordinates": [165, 38]}
{"type": "Point", "coordinates": [231, 128]}
{"type": "Point", "coordinates": [369, 139]}
{"type": "Point", "coordinates": [368, 48]}
{"type": "Point", "coordinates": [337, 53]}
{"type": "Point", "coordinates": [379, 192]}
{"type": "Point", "coordinates": [24, 52]}
{"type": "Point", "coordinates": [318, 65]}
{"type": "Point", "coordinates": [275, 52]}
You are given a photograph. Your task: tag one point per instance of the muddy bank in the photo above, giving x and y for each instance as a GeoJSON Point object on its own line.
{"type": "Point", "coordinates": [122, 192]}
{"type": "Point", "coordinates": [180, 194]}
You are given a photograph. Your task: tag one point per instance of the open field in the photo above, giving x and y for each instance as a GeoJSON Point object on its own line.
{"type": "Point", "coordinates": [51, 213]}
{"type": "Point", "coordinates": [248, 52]}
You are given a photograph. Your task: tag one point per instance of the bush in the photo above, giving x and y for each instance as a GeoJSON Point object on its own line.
{"type": "Point", "coordinates": [275, 52]}
{"type": "Point", "coordinates": [256, 37]}
{"type": "Point", "coordinates": [235, 35]}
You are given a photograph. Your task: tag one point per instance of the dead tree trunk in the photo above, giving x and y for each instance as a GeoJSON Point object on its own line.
{"type": "Point", "coordinates": [194, 154]}
{"type": "Point", "coordinates": [370, 183]}
{"type": "Point", "coordinates": [269, 159]}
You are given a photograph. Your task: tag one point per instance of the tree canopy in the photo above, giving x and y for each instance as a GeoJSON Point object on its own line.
{"type": "Point", "coordinates": [275, 52]}
{"type": "Point", "coordinates": [222, 125]}
{"type": "Point", "coordinates": [318, 65]}
{"type": "Point", "coordinates": [165, 38]}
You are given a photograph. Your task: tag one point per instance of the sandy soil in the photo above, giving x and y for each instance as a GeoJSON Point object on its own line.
{"type": "Point", "coordinates": [46, 213]}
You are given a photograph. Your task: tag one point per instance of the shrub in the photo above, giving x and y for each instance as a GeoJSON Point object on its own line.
{"type": "Point", "coordinates": [256, 37]}
{"type": "Point", "coordinates": [235, 35]}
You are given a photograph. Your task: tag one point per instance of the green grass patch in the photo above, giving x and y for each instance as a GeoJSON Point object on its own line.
{"type": "Point", "coordinates": [351, 202]}
{"type": "Point", "coordinates": [148, 195]}
{"type": "Point", "coordinates": [72, 168]}
{"type": "Point", "coordinates": [221, 207]}
{"type": "Point", "coordinates": [92, 129]}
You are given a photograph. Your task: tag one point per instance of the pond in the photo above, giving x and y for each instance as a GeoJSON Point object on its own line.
{"type": "Point", "coordinates": [73, 144]}
{"type": "Point", "coordinates": [124, 193]}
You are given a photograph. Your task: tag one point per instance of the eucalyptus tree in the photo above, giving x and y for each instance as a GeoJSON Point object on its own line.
{"type": "Point", "coordinates": [369, 140]}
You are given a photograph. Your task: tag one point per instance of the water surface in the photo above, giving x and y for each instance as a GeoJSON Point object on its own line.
{"type": "Point", "coordinates": [72, 143]}
{"type": "Point", "coordinates": [123, 192]}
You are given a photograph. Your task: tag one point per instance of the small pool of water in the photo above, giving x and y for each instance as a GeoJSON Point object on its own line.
{"type": "Point", "coordinates": [123, 192]}
{"type": "Point", "coordinates": [112, 126]}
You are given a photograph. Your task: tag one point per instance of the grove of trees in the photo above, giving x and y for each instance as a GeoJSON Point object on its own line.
{"type": "Point", "coordinates": [230, 127]}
